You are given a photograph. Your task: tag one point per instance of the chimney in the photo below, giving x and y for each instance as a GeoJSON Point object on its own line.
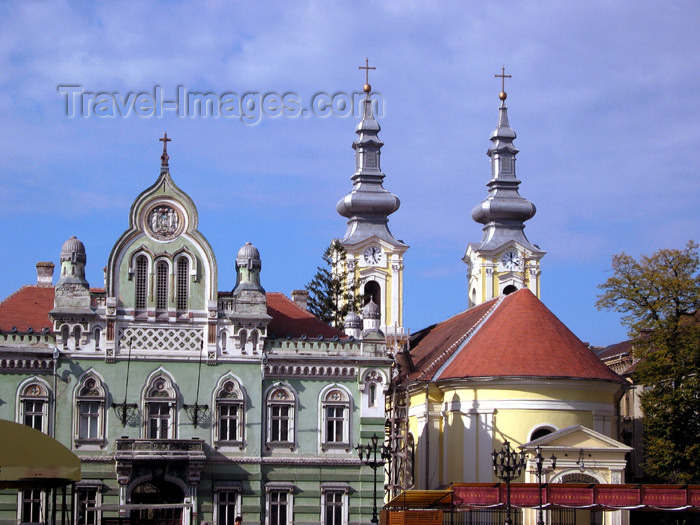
{"type": "Point", "coordinates": [44, 273]}
{"type": "Point", "coordinates": [301, 297]}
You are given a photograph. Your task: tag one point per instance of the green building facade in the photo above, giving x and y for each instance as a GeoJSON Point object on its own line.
{"type": "Point", "coordinates": [186, 404]}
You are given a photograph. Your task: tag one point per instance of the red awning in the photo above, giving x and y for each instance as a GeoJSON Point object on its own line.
{"type": "Point", "coordinates": [578, 496]}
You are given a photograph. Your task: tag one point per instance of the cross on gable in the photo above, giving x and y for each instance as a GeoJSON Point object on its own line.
{"type": "Point", "coordinates": [164, 157]}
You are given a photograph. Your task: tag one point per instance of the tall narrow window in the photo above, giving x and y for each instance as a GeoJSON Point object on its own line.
{"type": "Point", "coordinates": [161, 285]}
{"type": "Point", "coordinates": [34, 406]}
{"type": "Point", "coordinates": [373, 291]}
{"type": "Point", "coordinates": [280, 417]}
{"type": "Point", "coordinates": [372, 395]}
{"type": "Point", "coordinates": [90, 401]}
{"type": "Point", "coordinates": [336, 410]}
{"type": "Point", "coordinates": [229, 413]}
{"type": "Point", "coordinates": [76, 337]}
{"type": "Point", "coordinates": [182, 279]}
{"type": "Point", "coordinates": [32, 506]}
{"type": "Point", "coordinates": [226, 507]}
{"type": "Point", "coordinates": [86, 499]}
{"type": "Point", "coordinates": [333, 507]}
{"type": "Point", "coordinates": [160, 409]}
{"type": "Point", "coordinates": [141, 281]}
{"type": "Point", "coordinates": [279, 507]}
{"type": "Point", "coordinates": [97, 337]}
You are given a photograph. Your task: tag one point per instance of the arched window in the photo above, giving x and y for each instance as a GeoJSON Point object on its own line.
{"type": "Point", "coordinates": [141, 281]}
{"type": "Point", "coordinates": [160, 409]}
{"type": "Point", "coordinates": [335, 408]}
{"type": "Point", "coordinates": [34, 406]}
{"type": "Point", "coordinates": [223, 340]}
{"type": "Point", "coordinates": [242, 339]}
{"type": "Point", "coordinates": [509, 289]}
{"type": "Point", "coordinates": [541, 432]}
{"type": "Point", "coordinates": [90, 404]}
{"type": "Point", "coordinates": [161, 285]}
{"type": "Point", "coordinates": [372, 395]}
{"type": "Point", "coordinates": [280, 416]}
{"type": "Point", "coordinates": [373, 291]}
{"type": "Point", "coordinates": [183, 271]}
{"type": "Point", "coordinates": [229, 413]}
{"type": "Point", "coordinates": [254, 340]}
{"type": "Point", "coordinates": [76, 337]}
{"type": "Point", "coordinates": [97, 337]}
{"type": "Point", "coordinates": [65, 335]}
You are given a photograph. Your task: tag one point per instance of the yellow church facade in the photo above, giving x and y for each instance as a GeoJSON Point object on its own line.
{"type": "Point", "coordinates": [505, 372]}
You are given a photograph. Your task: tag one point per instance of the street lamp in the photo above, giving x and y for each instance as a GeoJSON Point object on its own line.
{"type": "Point", "coordinates": [368, 456]}
{"type": "Point", "coordinates": [508, 465]}
{"type": "Point", "coordinates": [539, 463]}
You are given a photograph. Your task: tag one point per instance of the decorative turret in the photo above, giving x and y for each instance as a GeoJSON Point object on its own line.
{"type": "Point", "coordinates": [371, 317]}
{"type": "Point", "coordinates": [73, 259]}
{"type": "Point", "coordinates": [353, 325]}
{"type": "Point", "coordinates": [504, 260]}
{"type": "Point", "coordinates": [248, 266]}
{"type": "Point", "coordinates": [72, 291]}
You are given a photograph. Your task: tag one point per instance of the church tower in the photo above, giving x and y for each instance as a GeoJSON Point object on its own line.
{"type": "Point", "coordinates": [374, 257]}
{"type": "Point", "coordinates": [504, 260]}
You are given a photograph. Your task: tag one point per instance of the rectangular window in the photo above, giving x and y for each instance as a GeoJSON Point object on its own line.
{"type": "Point", "coordinates": [279, 423]}
{"type": "Point", "coordinates": [226, 507]}
{"type": "Point", "coordinates": [279, 507]}
{"type": "Point", "coordinates": [87, 499]}
{"type": "Point", "coordinates": [32, 508]}
{"type": "Point", "coordinates": [335, 423]}
{"type": "Point", "coordinates": [333, 508]}
{"type": "Point", "coordinates": [158, 420]}
{"type": "Point", "coordinates": [89, 426]}
{"type": "Point", "coordinates": [34, 414]}
{"type": "Point", "coordinates": [229, 422]}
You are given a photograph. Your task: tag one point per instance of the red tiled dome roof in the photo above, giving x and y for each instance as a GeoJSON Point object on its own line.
{"type": "Point", "coordinates": [512, 336]}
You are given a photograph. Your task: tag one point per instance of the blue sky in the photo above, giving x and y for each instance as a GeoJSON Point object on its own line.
{"type": "Point", "coordinates": [602, 99]}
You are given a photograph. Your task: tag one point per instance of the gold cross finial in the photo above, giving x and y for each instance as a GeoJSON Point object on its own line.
{"type": "Point", "coordinates": [503, 95]}
{"type": "Point", "coordinates": [164, 157]}
{"type": "Point", "coordinates": [367, 88]}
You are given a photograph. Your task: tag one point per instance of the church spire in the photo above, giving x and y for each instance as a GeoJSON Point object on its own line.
{"type": "Point", "coordinates": [504, 260]}
{"type": "Point", "coordinates": [504, 210]}
{"type": "Point", "coordinates": [368, 205]}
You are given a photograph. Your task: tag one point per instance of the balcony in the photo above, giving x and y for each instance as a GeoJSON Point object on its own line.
{"type": "Point", "coordinates": [163, 449]}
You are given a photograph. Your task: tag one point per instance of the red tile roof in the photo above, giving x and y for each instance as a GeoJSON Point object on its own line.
{"type": "Point", "coordinates": [30, 306]}
{"type": "Point", "coordinates": [289, 319]}
{"type": "Point", "coordinates": [27, 308]}
{"type": "Point", "coordinates": [512, 336]}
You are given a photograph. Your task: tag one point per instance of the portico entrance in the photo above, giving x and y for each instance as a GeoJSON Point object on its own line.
{"type": "Point", "coordinates": [157, 496]}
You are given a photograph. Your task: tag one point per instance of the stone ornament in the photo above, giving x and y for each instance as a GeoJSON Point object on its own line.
{"type": "Point", "coordinates": [163, 222]}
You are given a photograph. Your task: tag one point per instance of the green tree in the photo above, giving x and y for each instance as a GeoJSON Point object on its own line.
{"type": "Point", "coordinates": [329, 297]}
{"type": "Point", "coordinates": [659, 295]}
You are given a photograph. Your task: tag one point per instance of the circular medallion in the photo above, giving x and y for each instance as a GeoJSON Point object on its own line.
{"type": "Point", "coordinates": [163, 222]}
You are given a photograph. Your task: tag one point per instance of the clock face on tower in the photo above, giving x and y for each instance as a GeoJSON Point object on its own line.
{"type": "Point", "coordinates": [511, 260]}
{"type": "Point", "coordinates": [373, 255]}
